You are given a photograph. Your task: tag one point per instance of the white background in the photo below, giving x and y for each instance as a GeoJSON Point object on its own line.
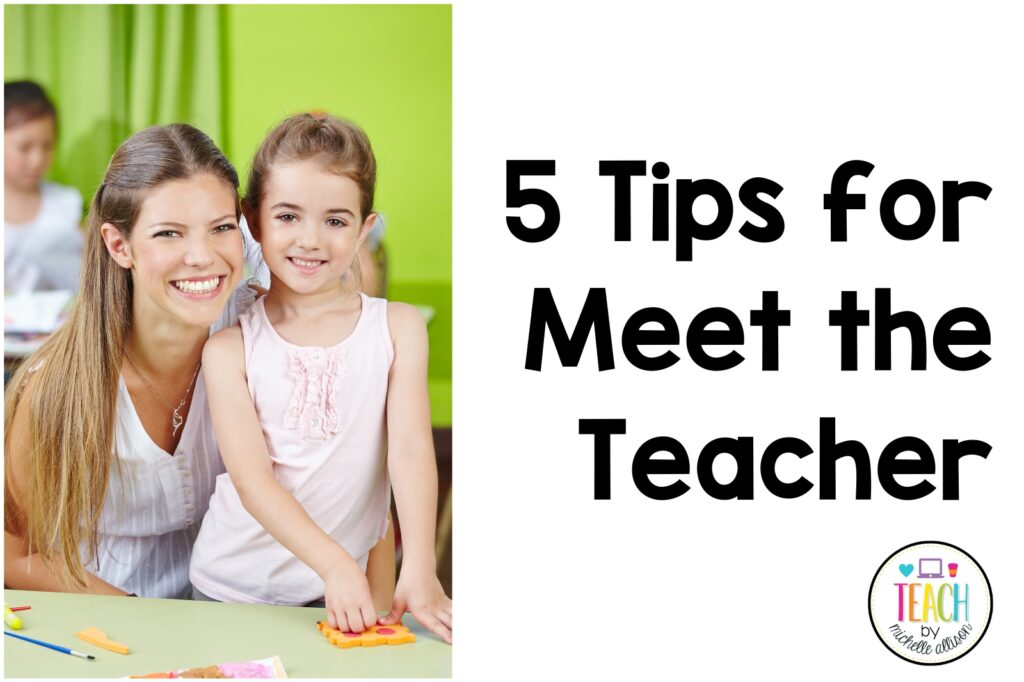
{"type": "Point", "coordinates": [550, 583]}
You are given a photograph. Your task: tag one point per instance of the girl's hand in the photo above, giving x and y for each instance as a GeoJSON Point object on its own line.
{"type": "Point", "coordinates": [423, 596]}
{"type": "Point", "coordinates": [348, 600]}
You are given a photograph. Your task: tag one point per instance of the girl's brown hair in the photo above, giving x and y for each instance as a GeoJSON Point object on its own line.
{"type": "Point", "coordinates": [25, 101]}
{"type": "Point", "coordinates": [342, 147]}
{"type": "Point", "coordinates": [73, 397]}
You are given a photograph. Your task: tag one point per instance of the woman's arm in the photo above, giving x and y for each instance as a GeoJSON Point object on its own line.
{"type": "Point", "coordinates": [245, 454]}
{"type": "Point", "coordinates": [24, 570]}
{"type": "Point", "coordinates": [413, 471]}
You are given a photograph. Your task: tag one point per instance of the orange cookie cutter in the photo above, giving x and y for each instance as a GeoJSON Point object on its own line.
{"type": "Point", "coordinates": [377, 635]}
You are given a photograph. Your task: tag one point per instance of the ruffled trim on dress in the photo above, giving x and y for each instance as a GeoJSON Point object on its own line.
{"type": "Point", "coordinates": [312, 409]}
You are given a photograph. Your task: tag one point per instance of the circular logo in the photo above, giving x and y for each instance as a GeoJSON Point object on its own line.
{"type": "Point", "coordinates": [930, 603]}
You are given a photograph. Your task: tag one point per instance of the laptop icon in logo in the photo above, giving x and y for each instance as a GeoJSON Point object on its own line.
{"type": "Point", "coordinates": [929, 568]}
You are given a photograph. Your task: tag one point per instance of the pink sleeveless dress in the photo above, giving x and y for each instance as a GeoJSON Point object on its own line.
{"type": "Point", "coordinates": [322, 411]}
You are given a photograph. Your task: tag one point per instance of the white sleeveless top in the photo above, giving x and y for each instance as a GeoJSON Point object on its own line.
{"type": "Point", "coordinates": [322, 411]}
{"type": "Point", "coordinates": [155, 502]}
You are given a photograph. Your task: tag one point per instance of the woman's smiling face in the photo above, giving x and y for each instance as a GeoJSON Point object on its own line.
{"type": "Point", "coordinates": [185, 250]}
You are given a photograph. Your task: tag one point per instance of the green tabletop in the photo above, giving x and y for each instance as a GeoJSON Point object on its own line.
{"type": "Point", "coordinates": [170, 634]}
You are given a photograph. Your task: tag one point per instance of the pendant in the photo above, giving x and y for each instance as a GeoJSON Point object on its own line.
{"type": "Point", "coordinates": [176, 421]}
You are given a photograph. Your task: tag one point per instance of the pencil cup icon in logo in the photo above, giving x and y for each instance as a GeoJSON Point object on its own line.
{"type": "Point", "coordinates": [930, 603]}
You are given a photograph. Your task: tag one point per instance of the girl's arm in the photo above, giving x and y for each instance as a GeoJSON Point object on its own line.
{"type": "Point", "coordinates": [380, 570]}
{"type": "Point", "coordinates": [413, 471]}
{"type": "Point", "coordinates": [245, 454]}
{"type": "Point", "coordinates": [24, 570]}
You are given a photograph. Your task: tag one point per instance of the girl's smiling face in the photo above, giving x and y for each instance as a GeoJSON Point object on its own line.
{"type": "Point", "coordinates": [309, 226]}
{"type": "Point", "coordinates": [185, 250]}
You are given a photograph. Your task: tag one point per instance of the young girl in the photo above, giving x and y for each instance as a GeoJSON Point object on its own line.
{"type": "Point", "coordinates": [317, 396]}
{"type": "Point", "coordinates": [42, 240]}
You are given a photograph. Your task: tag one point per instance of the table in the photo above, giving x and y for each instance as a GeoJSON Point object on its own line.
{"type": "Point", "coordinates": [170, 634]}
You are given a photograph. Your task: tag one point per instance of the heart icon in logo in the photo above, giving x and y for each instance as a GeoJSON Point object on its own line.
{"type": "Point", "coordinates": [906, 569]}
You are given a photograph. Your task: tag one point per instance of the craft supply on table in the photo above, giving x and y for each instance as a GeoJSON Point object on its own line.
{"type": "Point", "coordinates": [97, 637]}
{"type": "Point", "coordinates": [35, 312]}
{"type": "Point", "coordinates": [265, 668]}
{"type": "Point", "coordinates": [10, 619]}
{"type": "Point", "coordinates": [376, 635]}
{"type": "Point", "coordinates": [20, 346]}
{"type": "Point", "coordinates": [20, 608]}
{"type": "Point", "coordinates": [55, 647]}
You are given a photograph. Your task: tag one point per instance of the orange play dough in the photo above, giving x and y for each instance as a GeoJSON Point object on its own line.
{"type": "Point", "coordinates": [97, 637]}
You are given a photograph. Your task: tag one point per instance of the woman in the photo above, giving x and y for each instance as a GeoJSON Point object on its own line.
{"type": "Point", "coordinates": [111, 458]}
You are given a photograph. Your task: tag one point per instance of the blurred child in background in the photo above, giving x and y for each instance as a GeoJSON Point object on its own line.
{"type": "Point", "coordinates": [42, 239]}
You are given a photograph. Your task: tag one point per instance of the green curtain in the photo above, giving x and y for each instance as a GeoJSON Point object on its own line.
{"type": "Point", "coordinates": [124, 68]}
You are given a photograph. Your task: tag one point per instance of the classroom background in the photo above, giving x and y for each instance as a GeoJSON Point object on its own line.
{"type": "Point", "coordinates": [234, 71]}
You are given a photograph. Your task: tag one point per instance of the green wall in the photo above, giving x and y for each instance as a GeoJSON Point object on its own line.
{"type": "Point", "coordinates": [235, 71]}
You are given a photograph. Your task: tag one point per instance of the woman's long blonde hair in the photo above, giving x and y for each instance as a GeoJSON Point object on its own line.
{"type": "Point", "coordinates": [73, 398]}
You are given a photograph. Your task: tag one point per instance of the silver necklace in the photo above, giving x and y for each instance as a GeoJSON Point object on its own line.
{"type": "Point", "coordinates": [176, 419]}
